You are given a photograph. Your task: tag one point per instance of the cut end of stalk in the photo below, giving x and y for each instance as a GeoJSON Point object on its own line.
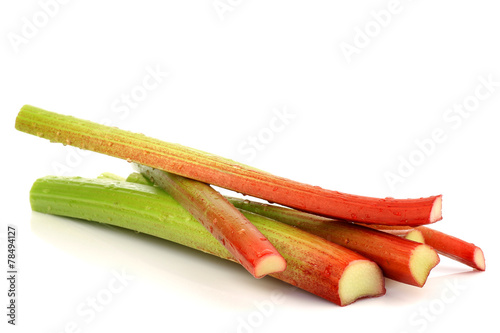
{"type": "Point", "coordinates": [436, 214]}
{"type": "Point", "coordinates": [479, 259]}
{"type": "Point", "coordinates": [362, 278]}
{"type": "Point", "coordinates": [423, 259]}
{"type": "Point", "coordinates": [416, 236]}
{"type": "Point", "coordinates": [269, 264]}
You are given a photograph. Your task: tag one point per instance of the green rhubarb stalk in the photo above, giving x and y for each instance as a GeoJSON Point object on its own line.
{"type": "Point", "coordinates": [226, 223]}
{"type": "Point", "coordinates": [225, 173]}
{"type": "Point", "coordinates": [136, 177]}
{"type": "Point", "coordinates": [400, 259]}
{"type": "Point", "coordinates": [313, 264]}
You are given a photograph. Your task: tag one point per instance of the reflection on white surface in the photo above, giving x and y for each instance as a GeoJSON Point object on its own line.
{"type": "Point", "coordinates": [174, 282]}
{"type": "Point", "coordinates": [167, 263]}
{"type": "Point", "coordinates": [152, 258]}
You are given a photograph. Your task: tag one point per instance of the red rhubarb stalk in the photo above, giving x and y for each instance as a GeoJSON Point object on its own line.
{"type": "Point", "coordinates": [454, 248]}
{"type": "Point", "coordinates": [446, 245]}
{"type": "Point", "coordinates": [400, 259]}
{"type": "Point", "coordinates": [226, 223]}
{"type": "Point", "coordinates": [215, 170]}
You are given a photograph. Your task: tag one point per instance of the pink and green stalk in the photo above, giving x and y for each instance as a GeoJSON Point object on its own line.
{"type": "Point", "coordinates": [313, 264]}
{"type": "Point", "coordinates": [225, 173]}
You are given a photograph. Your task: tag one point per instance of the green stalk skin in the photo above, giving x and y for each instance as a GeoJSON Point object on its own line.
{"type": "Point", "coordinates": [225, 173]}
{"type": "Point", "coordinates": [226, 223]}
{"type": "Point", "coordinates": [400, 259]}
{"type": "Point", "coordinates": [136, 177]}
{"type": "Point", "coordinates": [313, 264]}
{"type": "Point", "coordinates": [454, 248]}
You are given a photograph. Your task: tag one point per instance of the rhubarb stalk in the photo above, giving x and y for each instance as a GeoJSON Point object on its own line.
{"type": "Point", "coordinates": [400, 259]}
{"type": "Point", "coordinates": [226, 223]}
{"type": "Point", "coordinates": [225, 173]}
{"type": "Point", "coordinates": [313, 264]}
{"type": "Point", "coordinates": [454, 248]}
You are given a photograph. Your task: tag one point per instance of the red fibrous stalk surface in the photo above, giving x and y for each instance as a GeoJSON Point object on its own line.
{"type": "Point", "coordinates": [400, 259]}
{"type": "Point", "coordinates": [313, 264]}
{"type": "Point", "coordinates": [211, 169]}
{"type": "Point", "coordinates": [454, 248]}
{"type": "Point", "coordinates": [226, 223]}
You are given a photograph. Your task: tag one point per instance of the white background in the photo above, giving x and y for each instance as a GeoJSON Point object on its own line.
{"type": "Point", "coordinates": [351, 120]}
